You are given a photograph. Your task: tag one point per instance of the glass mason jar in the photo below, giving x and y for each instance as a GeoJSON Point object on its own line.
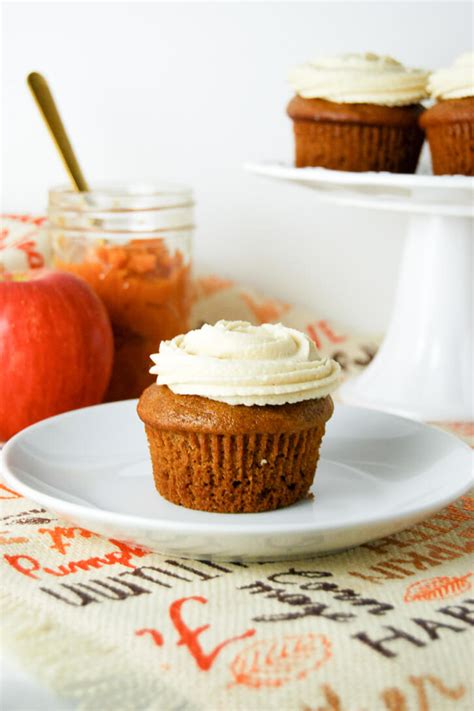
{"type": "Point", "coordinates": [132, 244]}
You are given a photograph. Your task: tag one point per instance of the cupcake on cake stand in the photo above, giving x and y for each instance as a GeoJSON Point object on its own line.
{"type": "Point", "coordinates": [424, 367]}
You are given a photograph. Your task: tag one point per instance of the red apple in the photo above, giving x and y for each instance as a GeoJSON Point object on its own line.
{"type": "Point", "coordinates": [56, 348]}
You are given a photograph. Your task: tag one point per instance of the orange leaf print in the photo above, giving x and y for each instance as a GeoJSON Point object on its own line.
{"type": "Point", "coordinates": [467, 503]}
{"type": "Point", "coordinates": [275, 662]}
{"type": "Point", "coordinates": [10, 493]}
{"type": "Point", "coordinates": [209, 285]}
{"type": "Point", "coordinates": [264, 311]}
{"type": "Point", "coordinates": [465, 429]}
{"type": "Point", "coordinates": [437, 588]}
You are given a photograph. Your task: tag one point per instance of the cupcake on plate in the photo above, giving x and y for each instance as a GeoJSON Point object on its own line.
{"type": "Point", "coordinates": [357, 112]}
{"type": "Point", "coordinates": [236, 418]}
{"type": "Point", "coordinates": [449, 124]}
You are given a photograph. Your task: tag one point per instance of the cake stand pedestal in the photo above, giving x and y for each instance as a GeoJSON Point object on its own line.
{"type": "Point", "coordinates": [424, 367]}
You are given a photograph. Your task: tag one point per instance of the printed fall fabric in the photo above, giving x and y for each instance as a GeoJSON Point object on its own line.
{"type": "Point", "coordinates": [385, 626]}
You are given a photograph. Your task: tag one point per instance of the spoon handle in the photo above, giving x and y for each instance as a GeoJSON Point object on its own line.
{"type": "Point", "coordinates": [46, 104]}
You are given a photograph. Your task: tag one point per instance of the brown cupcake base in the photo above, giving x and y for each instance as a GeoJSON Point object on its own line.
{"type": "Point", "coordinates": [355, 137]}
{"type": "Point", "coordinates": [356, 148]}
{"type": "Point", "coordinates": [240, 469]}
{"type": "Point", "coordinates": [234, 474]}
{"type": "Point", "coordinates": [449, 128]}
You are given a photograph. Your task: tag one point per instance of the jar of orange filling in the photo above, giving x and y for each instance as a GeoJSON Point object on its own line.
{"type": "Point", "coordinates": [132, 244]}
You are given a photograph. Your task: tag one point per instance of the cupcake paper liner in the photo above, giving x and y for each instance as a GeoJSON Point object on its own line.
{"type": "Point", "coordinates": [234, 473]}
{"type": "Point", "coordinates": [452, 148]}
{"type": "Point", "coordinates": [356, 147]}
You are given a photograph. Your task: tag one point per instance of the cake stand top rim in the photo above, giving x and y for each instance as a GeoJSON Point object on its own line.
{"type": "Point", "coordinates": [348, 179]}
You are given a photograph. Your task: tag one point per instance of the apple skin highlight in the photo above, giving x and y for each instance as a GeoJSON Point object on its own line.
{"type": "Point", "coordinates": [56, 348]}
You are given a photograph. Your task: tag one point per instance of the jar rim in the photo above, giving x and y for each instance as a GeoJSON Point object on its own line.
{"type": "Point", "coordinates": [120, 199]}
{"type": "Point", "coordinates": [117, 189]}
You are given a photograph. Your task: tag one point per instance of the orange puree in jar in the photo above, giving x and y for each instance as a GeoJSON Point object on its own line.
{"type": "Point", "coordinates": [146, 291]}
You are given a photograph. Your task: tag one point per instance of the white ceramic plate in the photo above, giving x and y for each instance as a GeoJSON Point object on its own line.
{"type": "Point", "coordinates": [378, 474]}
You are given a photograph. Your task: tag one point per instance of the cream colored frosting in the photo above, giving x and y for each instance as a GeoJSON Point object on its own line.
{"type": "Point", "coordinates": [240, 364]}
{"type": "Point", "coordinates": [455, 82]}
{"type": "Point", "coordinates": [360, 79]}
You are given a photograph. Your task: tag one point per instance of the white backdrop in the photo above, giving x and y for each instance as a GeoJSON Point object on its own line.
{"type": "Point", "coordinates": [189, 92]}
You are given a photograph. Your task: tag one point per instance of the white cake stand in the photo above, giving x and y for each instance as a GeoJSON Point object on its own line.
{"type": "Point", "coordinates": [424, 367]}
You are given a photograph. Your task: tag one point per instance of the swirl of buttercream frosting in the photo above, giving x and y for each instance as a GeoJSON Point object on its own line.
{"type": "Point", "coordinates": [241, 364]}
{"type": "Point", "coordinates": [360, 79]}
{"type": "Point", "coordinates": [455, 82]}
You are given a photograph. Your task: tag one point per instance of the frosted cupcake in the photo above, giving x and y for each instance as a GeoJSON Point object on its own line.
{"type": "Point", "coordinates": [449, 124]}
{"type": "Point", "coordinates": [236, 418]}
{"type": "Point", "coordinates": [357, 112]}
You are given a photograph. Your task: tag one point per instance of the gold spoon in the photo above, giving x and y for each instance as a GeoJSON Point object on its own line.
{"type": "Point", "coordinates": [46, 104]}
